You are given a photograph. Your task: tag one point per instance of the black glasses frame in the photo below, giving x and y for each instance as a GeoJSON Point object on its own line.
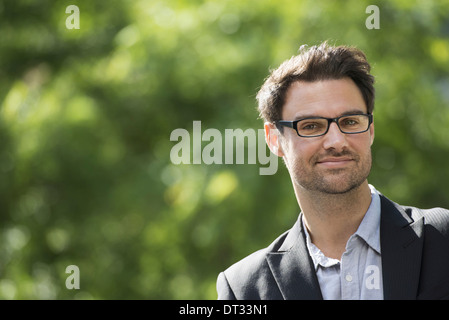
{"type": "Point", "coordinates": [294, 124]}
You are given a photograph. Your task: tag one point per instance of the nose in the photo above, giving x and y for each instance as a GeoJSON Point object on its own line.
{"type": "Point", "coordinates": [334, 138]}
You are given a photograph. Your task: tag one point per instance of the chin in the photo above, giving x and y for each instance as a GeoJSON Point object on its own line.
{"type": "Point", "coordinates": [338, 186]}
{"type": "Point", "coordinates": [339, 189]}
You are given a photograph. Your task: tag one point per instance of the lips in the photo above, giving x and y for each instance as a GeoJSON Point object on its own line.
{"type": "Point", "coordinates": [335, 159]}
{"type": "Point", "coordinates": [334, 162]}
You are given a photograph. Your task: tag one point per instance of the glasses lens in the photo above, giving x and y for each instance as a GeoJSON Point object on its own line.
{"type": "Point", "coordinates": [354, 123]}
{"type": "Point", "coordinates": [312, 127]}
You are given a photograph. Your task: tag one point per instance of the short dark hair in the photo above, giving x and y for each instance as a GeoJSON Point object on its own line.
{"type": "Point", "coordinates": [323, 62]}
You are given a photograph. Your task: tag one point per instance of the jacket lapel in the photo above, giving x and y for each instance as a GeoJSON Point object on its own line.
{"type": "Point", "coordinates": [401, 241]}
{"type": "Point", "coordinates": [293, 269]}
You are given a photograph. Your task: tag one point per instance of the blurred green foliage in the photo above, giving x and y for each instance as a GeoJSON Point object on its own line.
{"type": "Point", "coordinates": [86, 116]}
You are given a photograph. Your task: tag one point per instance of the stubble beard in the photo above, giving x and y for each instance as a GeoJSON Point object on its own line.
{"type": "Point", "coordinates": [333, 181]}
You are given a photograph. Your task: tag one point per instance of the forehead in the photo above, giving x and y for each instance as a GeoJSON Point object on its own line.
{"type": "Point", "coordinates": [326, 98]}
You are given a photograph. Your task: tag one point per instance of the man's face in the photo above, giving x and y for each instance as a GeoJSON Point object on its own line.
{"type": "Point", "coordinates": [336, 162]}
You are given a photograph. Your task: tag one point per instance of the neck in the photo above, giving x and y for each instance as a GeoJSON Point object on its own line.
{"type": "Point", "coordinates": [332, 218]}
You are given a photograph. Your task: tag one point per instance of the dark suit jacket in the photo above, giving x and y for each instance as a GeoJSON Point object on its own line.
{"type": "Point", "coordinates": [415, 261]}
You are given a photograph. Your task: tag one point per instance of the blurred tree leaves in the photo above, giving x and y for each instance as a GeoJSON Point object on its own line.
{"type": "Point", "coordinates": [86, 116]}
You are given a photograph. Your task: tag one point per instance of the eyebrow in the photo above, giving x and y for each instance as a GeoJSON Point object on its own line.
{"type": "Point", "coordinates": [348, 112]}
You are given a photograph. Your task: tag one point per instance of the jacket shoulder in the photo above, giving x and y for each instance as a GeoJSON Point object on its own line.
{"type": "Point", "coordinates": [436, 218]}
{"type": "Point", "coordinates": [434, 279]}
{"type": "Point", "coordinates": [251, 277]}
{"type": "Point", "coordinates": [439, 218]}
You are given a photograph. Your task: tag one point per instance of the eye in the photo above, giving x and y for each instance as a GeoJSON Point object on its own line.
{"type": "Point", "coordinates": [349, 122]}
{"type": "Point", "coordinates": [309, 126]}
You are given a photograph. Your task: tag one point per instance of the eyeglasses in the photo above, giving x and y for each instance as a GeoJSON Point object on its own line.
{"type": "Point", "coordinates": [319, 126]}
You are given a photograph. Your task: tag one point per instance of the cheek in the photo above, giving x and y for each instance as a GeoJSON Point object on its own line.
{"type": "Point", "coordinates": [299, 151]}
{"type": "Point", "coordinates": [363, 148]}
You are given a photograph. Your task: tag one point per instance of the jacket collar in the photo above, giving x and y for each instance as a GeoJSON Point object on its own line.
{"type": "Point", "coordinates": [292, 267]}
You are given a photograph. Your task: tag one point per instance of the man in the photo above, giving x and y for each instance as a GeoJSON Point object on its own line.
{"type": "Point", "coordinates": [350, 241]}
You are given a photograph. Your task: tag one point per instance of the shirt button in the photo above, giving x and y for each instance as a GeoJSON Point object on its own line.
{"type": "Point", "coordinates": [348, 278]}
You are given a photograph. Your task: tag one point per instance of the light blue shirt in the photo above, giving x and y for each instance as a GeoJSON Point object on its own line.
{"type": "Point", "coordinates": [358, 276]}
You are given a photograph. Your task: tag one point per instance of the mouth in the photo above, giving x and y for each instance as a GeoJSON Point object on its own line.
{"type": "Point", "coordinates": [336, 162]}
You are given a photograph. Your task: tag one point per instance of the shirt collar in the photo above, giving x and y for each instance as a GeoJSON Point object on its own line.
{"type": "Point", "coordinates": [318, 257]}
{"type": "Point", "coordinates": [368, 230]}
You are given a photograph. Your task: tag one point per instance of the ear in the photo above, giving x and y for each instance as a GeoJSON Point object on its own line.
{"type": "Point", "coordinates": [272, 139]}
{"type": "Point", "coordinates": [371, 131]}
